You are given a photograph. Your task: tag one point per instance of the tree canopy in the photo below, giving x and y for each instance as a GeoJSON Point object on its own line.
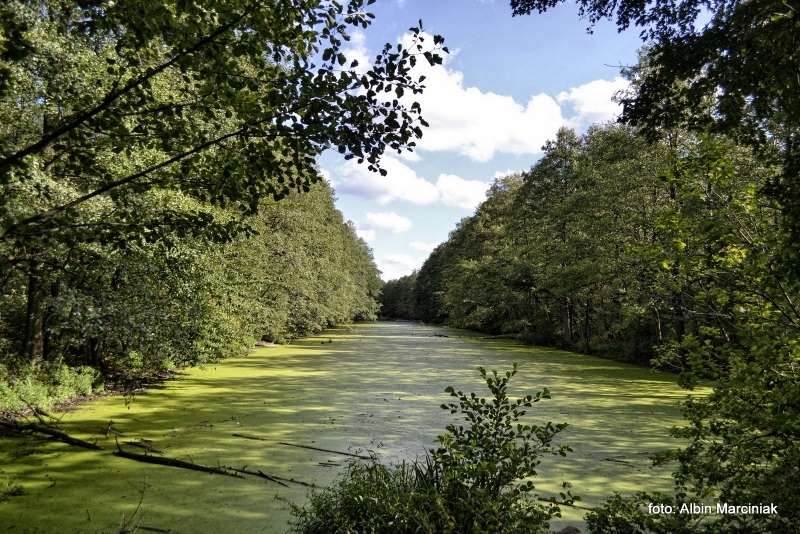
{"type": "Point", "coordinates": [227, 102]}
{"type": "Point", "coordinates": [718, 66]}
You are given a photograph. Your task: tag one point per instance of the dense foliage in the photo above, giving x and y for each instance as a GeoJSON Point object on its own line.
{"type": "Point", "coordinates": [720, 66]}
{"type": "Point", "coordinates": [397, 298]}
{"type": "Point", "coordinates": [479, 478]}
{"type": "Point", "coordinates": [134, 314]}
{"type": "Point", "coordinates": [154, 157]}
{"type": "Point", "coordinates": [555, 254]}
{"type": "Point", "coordinates": [736, 227]}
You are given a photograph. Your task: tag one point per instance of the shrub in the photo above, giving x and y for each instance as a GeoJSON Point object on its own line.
{"type": "Point", "coordinates": [44, 385]}
{"type": "Point", "coordinates": [371, 497]}
{"type": "Point", "coordinates": [477, 480]}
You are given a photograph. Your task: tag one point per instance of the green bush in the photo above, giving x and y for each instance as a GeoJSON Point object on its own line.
{"type": "Point", "coordinates": [621, 514]}
{"type": "Point", "coordinates": [477, 480]}
{"type": "Point", "coordinates": [371, 497]}
{"type": "Point", "coordinates": [44, 385]}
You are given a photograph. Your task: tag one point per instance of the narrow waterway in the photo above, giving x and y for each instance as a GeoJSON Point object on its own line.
{"type": "Point", "coordinates": [374, 387]}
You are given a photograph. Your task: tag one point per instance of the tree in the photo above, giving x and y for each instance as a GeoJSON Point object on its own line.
{"type": "Point", "coordinates": [735, 74]}
{"type": "Point", "coordinates": [733, 263]}
{"type": "Point", "coordinates": [742, 438]}
{"type": "Point", "coordinates": [160, 203]}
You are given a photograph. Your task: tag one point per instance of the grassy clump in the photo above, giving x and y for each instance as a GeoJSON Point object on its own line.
{"type": "Point", "coordinates": [479, 479]}
{"type": "Point", "coordinates": [44, 385]}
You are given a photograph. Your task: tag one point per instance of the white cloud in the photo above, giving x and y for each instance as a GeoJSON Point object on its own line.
{"type": "Point", "coordinates": [391, 221]}
{"type": "Point", "coordinates": [593, 101]}
{"type": "Point", "coordinates": [393, 266]}
{"type": "Point", "coordinates": [357, 51]}
{"type": "Point", "coordinates": [409, 156]}
{"type": "Point", "coordinates": [479, 124]}
{"type": "Point", "coordinates": [458, 192]}
{"type": "Point", "coordinates": [367, 235]}
{"type": "Point", "coordinates": [403, 183]}
{"type": "Point", "coordinates": [422, 246]}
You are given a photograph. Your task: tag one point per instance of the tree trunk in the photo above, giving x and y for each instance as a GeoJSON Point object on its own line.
{"type": "Point", "coordinates": [658, 324]}
{"type": "Point", "coordinates": [587, 328]}
{"type": "Point", "coordinates": [34, 316]}
{"type": "Point", "coordinates": [566, 321]}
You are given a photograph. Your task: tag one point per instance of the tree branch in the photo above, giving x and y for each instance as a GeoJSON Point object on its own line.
{"type": "Point", "coordinates": [117, 183]}
{"type": "Point", "coordinates": [114, 95]}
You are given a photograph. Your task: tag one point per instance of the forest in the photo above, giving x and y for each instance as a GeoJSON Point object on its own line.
{"type": "Point", "coordinates": [666, 254]}
{"type": "Point", "coordinates": [162, 207]}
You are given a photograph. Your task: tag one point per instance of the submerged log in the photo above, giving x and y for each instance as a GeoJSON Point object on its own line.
{"type": "Point", "coordinates": [275, 478]}
{"type": "Point", "coordinates": [47, 430]}
{"type": "Point", "coordinates": [258, 473]}
{"type": "Point", "coordinates": [248, 436]}
{"type": "Point", "coordinates": [326, 450]}
{"type": "Point", "coordinates": [173, 462]}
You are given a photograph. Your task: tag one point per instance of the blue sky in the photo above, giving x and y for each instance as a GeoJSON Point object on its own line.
{"type": "Point", "coordinates": [507, 86]}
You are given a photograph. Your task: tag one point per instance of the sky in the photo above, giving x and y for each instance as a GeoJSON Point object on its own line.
{"type": "Point", "coordinates": [508, 84]}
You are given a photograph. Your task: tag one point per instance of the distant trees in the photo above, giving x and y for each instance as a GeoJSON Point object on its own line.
{"type": "Point", "coordinates": [555, 254]}
{"type": "Point", "coordinates": [397, 298]}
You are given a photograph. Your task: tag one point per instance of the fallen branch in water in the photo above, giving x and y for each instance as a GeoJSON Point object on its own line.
{"type": "Point", "coordinates": [295, 481]}
{"type": "Point", "coordinates": [258, 473]}
{"type": "Point", "coordinates": [47, 430]}
{"type": "Point", "coordinates": [325, 450]}
{"type": "Point", "coordinates": [275, 478]}
{"type": "Point", "coordinates": [623, 462]}
{"type": "Point", "coordinates": [173, 462]}
{"type": "Point", "coordinates": [149, 448]}
{"type": "Point", "coordinates": [248, 436]}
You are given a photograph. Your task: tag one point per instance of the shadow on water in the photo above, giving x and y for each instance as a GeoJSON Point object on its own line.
{"type": "Point", "coordinates": [376, 387]}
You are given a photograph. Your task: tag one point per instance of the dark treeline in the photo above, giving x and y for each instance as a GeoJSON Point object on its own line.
{"type": "Point", "coordinates": [160, 203]}
{"type": "Point", "coordinates": [398, 298]}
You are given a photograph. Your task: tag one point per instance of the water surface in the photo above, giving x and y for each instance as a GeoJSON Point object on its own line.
{"type": "Point", "coordinates": [375, 386]}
